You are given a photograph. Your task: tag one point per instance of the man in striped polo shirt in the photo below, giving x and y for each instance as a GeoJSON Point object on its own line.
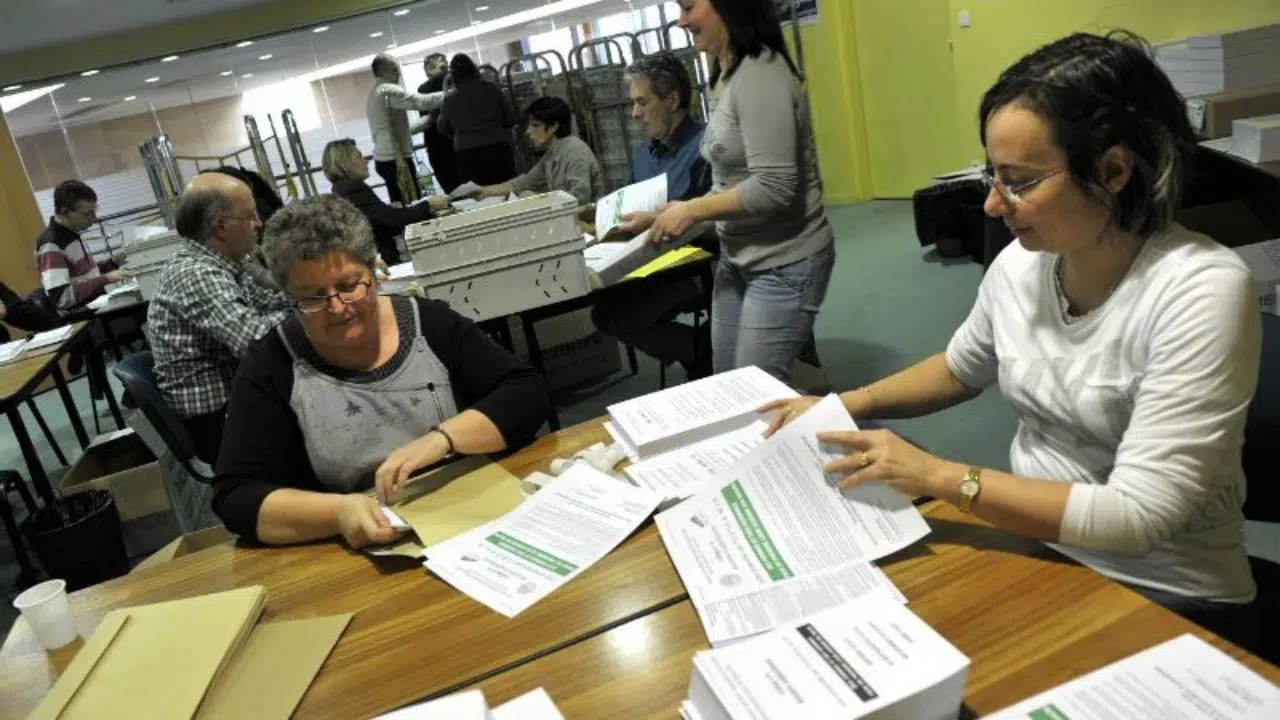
{"type": "Point", "coordinates": [68, 272]}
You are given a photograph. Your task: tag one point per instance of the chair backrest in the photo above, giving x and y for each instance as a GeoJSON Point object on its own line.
{"type": "Point", "coordinates": [1260, 457]}
{"type": "Point", "coordinates": [137, 373]}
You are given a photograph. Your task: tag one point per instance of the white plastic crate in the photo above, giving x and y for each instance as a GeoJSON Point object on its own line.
{"type": "Point", "coordinates": [501, 260]}
{"type": "Point", "coordinates": [148, 276]}
{"type": "Point", "coordinates": [152, 249]}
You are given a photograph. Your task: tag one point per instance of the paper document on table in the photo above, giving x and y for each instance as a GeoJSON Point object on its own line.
{"type": "Point", "coordinates": [1184, 678]}
{"type": "Point", "coordinates": [469, 705]}
{"type": "Point", "coordinates": [123, 288]}
{"type": "Point", "coordinates": [646, 196]}
{"type": "Point", "coordinates": [403, 271]}
{"type": "Point", "coordinates": [692, 412]}
{"type": "Point", "coordinates": [598, 254]}
{"type": "Point", "coordinates": [684, 472]}
{"type": "Point", "coordinates": [554, 536]}
{"type": "Point", "coordinates": [752, 612]}
{"type": "Point", "coordinates": [869, 658]}
{"type": "Point", "coordinates": [50, 337]}
{"type": "Point", "coordinates": [465, 190]}
{"type": "Point", "coordinates": [11, 350]}
{"type": "Point", "coordinates": [533, 705]}
{"type": "Point", "coordinates": [775, 515]}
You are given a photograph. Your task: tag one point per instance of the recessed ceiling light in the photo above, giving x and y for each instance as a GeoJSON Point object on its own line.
{"type": "Point", "coordinates": [439, 32]}
{"type": "Point", "coordinates": [375, 35]}
{"type": "Point", "coordinates": [85, 99]}
{"type": "Point", "coordinates": [226, 73]}
{"type": "Point", "coordinates": [322, 28]}
{"type": "Point", "coordinates": [11, 88]}
{"type": "Point", "coordinates": [268, 56]}
{"type": "Point", "coordinates": [401, 13]}
{"type": "Point", "coordinates": [244, 43]}
{"type": "Point", "coordinates": [152, 79]}
{"type": "Point", "coordinates": [246, 76]}
{"type": "Point", "coordinates": [131, 98]}
{"type": "Point", "coordinates": [88, 73]}
{"type": "Point", "coordinates": [171, 58]}
{"type": "Point", "coordinates": [481, 8]}
{"type": "Point", "coordinates": [390, 45]}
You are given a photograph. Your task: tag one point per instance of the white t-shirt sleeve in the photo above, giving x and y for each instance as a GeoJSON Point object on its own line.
{"type": "Point", "coordinates": [1200, 373]}
{"type": "Point", "coordinates": [971, 354]}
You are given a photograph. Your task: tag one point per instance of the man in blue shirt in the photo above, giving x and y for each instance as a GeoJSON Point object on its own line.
{"type": "Point", "coordinates": [645, 317]}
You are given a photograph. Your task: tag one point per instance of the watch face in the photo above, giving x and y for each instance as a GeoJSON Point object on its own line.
{"type": "Point", "coordinates": [969, 488]}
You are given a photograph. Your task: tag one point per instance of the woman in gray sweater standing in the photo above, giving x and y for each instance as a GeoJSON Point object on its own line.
{"type": "Point", "coordinates": [777, 248]}
{"type": "Point", "coordinates": [479, 118]}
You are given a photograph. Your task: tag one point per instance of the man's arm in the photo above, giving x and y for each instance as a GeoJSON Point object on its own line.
{"type": "Point", "coordinates": [55, 276]}
{"type": "Point", "coordinates": [398, 98]}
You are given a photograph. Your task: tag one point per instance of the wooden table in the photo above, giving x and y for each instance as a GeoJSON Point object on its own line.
{"type": "Point", "coordinates": [412, 636]}
{"type": "Point", "coordinates": [1027, 618]}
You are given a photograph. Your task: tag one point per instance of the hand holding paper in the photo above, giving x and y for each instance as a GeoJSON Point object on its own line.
{"type": "Point", "coordinates": [362, 523]}
{"type": "Point", "coordinates": [882, 456]}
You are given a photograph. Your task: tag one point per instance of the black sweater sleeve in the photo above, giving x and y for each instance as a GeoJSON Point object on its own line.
{"type": "Point", "coordinates": [262, 444]}
{"type": "Point", "coordinates": [392, 219]}
{"type": "Point", "coordinates": [486, 377]}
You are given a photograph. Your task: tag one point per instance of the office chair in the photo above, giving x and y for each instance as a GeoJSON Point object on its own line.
{"type": "Point", "coordinates": [137, 373]}
{"type": "Point", "coordinates": [1262, 470]}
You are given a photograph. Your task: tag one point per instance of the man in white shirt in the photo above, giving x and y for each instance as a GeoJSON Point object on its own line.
{"type": "Point", "coordinates": [389, 125]}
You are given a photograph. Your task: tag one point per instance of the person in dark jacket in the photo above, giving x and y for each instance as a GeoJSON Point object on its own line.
{"type": "Point", "coordinates": [444, 163]}
{"type": "Point", "coordinates": [479, 118]}
{"type": "Point", "coordinates": [347, 168]}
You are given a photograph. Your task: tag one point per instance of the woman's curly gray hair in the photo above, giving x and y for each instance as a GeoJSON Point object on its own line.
{"type": "Point", "coordinates": [313, 228]}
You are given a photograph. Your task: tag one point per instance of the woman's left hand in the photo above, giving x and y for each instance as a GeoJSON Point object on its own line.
{"type": "Point", "coordinates": [674, 219]}
{"type": "Point", "coordinates": [383, 272]}
{"type": "Point", "coordinates": [395, 471]}
{"type": "Point", "coordinates": [880, 455]}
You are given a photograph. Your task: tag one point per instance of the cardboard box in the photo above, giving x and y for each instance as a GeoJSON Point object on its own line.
{"type": "Point", "coordinates": [1263, 260]}
{"type": "Point", "coordinates": [187, 544]}
{"type": "Point", "coordinates": [1212, 115]}
{"type": "Point", "coordinates": [123, 465]}
{"type": "Point", "coordinates": [1257, 139]}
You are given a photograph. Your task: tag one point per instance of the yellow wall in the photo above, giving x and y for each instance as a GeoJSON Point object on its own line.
{"type": "Point", "coordinates": [836, 103]}
{"type": "Point", "coordinates": [22, 221]}
{"type": "Point", "coordinates": [921, 100]}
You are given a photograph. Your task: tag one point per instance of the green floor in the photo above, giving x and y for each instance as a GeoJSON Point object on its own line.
{"type": "Point", "coordinates": [891, 303]}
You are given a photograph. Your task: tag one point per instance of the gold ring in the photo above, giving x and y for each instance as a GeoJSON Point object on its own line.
{"type": "Point", "coordinates": [863, 460]}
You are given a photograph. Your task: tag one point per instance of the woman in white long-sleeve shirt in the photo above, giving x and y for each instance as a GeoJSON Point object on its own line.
{"type": "Point", "coordinates": [1127, 345]}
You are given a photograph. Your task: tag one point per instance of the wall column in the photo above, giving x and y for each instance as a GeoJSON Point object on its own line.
{"type": "Point", "coordinates": [20, 220]}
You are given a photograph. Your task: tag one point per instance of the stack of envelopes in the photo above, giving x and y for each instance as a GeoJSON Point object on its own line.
{"type": "Point", "coordinates": [202, 657]}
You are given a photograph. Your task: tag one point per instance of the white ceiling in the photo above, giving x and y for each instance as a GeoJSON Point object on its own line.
{"type": "Point", "coordinates": [30, 24]}
{"type": "Point", "coordinates": [195, 77]}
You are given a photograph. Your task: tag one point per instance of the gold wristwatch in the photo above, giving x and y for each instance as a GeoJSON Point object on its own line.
{"type": "Point", "coordinates": [970, 486]}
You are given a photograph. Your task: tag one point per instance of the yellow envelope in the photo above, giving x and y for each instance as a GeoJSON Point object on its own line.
{"type": "Point", "coordinates": [271, 674]}
{"type": "Point", "coordinates": [662, 262]}
{"type": "Point", "coordinates": [457, 498]}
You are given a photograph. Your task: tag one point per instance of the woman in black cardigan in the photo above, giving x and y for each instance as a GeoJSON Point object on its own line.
{"type": "Point", "coordinates": [347, 168]}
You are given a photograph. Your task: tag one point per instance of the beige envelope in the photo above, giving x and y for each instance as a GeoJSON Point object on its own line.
{"type": "Point", "coordinates": [272, 672]}
{"type": "Point", "coordinates": [155, 661]}
{"type": "Point", "coordinates": [452, 500]}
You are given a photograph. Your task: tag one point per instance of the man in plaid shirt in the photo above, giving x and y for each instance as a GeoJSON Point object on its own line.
{"type": "Point", "coordinates": [211, 303]}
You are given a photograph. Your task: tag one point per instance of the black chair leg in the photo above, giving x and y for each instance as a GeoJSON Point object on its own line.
{"type": "Point", "coordinates": [48, 434]}
{"type": "Point", "coordinates": [662, 375]}
{"type": "Point", "coordinates": [632, 360]}
{"type": "Point", "coordinates": [26, 570]}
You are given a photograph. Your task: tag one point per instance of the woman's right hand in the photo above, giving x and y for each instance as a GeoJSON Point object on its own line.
{"type": "Point", "coordinates": [787, 410]}
{"type": "Point", "coordinates": [361, 522]}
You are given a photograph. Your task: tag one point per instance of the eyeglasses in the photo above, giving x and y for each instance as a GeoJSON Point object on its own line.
{"type": "Point", "coordinates": [318, 303]}
{"type": "Point", "coordinates": [248, 218]}
{"type": "Point", "coordinates": [1012, 194]}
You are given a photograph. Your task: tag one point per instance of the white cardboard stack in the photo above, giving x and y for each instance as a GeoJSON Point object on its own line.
{"type": "Point", "coordinates": [1263, 260]}
{"type": "Point", "coordinates": [147, 257]}
{"type": "Point", "coordinates": [1257, 139]}
{"type": "Point", "coordinates": [1206, 64]}
{"type": "Point", "coordinates": [501, 260]}
{"type": "Point", "coordinates": [870, 658]}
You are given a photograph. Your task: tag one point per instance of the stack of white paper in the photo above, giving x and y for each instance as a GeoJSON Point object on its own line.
{"type": "Point", "coordinates": [1257, 139]}
{"type": "Point", "coordinates": [772, 539]}
{"type": "Point", "coordinates": [871, 658]}
{"type": "Point", "coordinates": [548, 540]}
{"type": "Point", "coordinates": [646, 196]}
{"type": "Point", "coordinates": [10, 351]}
{"type": "Point", "coordinates": [50, 337]}
{"type": "Point", "coordinates": [1184, 678]}
{"type": "Point", "coordinates": [471, 705]}
{"type": "Point", "coordinates": [685, 472]}
{"type": "Point", "coordinates": [1207, 64]}
{"type": "Point", "coordinates": [686, 414]}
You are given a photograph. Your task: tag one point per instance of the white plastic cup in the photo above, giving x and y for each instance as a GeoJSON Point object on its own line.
{"type": "Point", "coordinates": [47, 610]}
